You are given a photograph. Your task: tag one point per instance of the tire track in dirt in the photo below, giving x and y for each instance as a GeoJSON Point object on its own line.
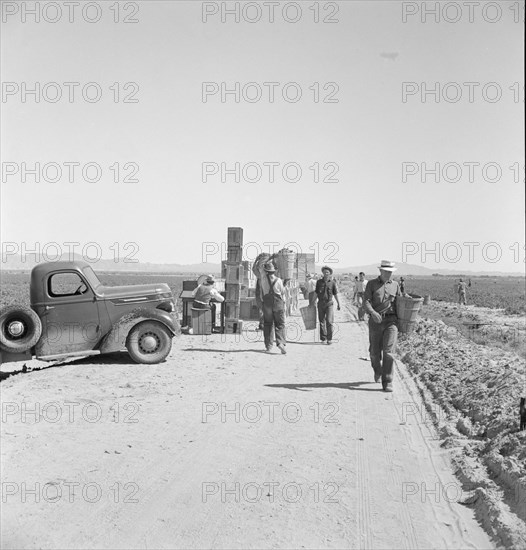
{"type": "Point", "coordinates": [365, 527]}
{"type": "Point", "coordinates": [445, 509]}
{"type": "Point", "coordinates": [408, 532]}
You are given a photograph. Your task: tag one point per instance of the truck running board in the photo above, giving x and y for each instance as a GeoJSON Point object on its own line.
{"type": "Point", "coordinates": [70, 354]}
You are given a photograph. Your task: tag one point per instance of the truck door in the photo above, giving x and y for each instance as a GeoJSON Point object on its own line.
{"type": "Point", "coordinates": [70, 317]}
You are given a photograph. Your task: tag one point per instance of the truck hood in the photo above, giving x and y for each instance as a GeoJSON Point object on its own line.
{"type": "Point", "coordinates": [151, 291]}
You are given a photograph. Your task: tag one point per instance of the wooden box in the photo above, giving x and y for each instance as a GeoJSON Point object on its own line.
{"type": "Point", "coordinates": [201, 321]}
{"type": "Point", "coordinates": [235, 236]}
{"type": "Point", "coordinates": [231, 310]}
{"type": "Point", "coordinates": [233, 292]}
{"type": "Point", "coordinates": [233, 326]}
{"type": "Point", "coordinates": [234, 253]}
{"type": "Point", "coordinates": [234, 273]}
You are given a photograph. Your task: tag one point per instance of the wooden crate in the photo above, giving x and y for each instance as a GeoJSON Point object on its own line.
{"type": "Point", "coordinates": [233, 292]}
{"type": "Point", "coordinates": [234, 273]}
{"type": "Point", "coordinates": [235, 236]}
{"type": "Point", "coordinates": [304, 264]}
{"type": "Point", "coordinates": [201, 321]}
{"type": "Point", "coordinates": [190, 285]}
{"type": "Point", "coordinates": [248, 310]}
{"type": "Point", "coordinates": [231, 310]}
{"type": "Point", "coordinates": [233, 326]}
{"type": "Point", "coordinates": [234, 253]}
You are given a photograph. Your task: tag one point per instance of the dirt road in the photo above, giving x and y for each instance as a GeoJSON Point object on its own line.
{"type": "Point", "coordinates": [224, 446]}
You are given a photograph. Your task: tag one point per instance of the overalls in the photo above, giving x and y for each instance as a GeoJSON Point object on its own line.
{"type": "Point", "coordinates": [273, 314]}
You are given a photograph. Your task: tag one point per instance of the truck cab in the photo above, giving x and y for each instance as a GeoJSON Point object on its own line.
{"type": "Point", "coordinates": [73, 314]}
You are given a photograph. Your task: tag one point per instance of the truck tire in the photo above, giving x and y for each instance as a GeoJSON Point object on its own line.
{"type": "Point", "coordinates": [149, 342]}
{"type": "Point", "coordinates": [20, 328]}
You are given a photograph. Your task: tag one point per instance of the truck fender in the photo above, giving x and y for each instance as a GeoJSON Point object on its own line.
{"type": "Point", "coordinates": [115, 340]}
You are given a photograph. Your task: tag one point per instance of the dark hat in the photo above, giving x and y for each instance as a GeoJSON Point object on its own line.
{"type": "Point", "coordinates": [326, 267]}
{"type": "Point", "coordinates": [269, 267]}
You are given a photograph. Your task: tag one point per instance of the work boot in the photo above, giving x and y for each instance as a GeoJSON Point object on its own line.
{"type": "Point", "coordinates": [283, 350]}
{"type": "Point", "coordinates": [377, 377]}
{"type": "Point", "coordinates": [387, 386]}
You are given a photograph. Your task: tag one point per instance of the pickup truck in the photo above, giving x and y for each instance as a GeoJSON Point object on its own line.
{"type": "Point", "coordinates": [73, 314]}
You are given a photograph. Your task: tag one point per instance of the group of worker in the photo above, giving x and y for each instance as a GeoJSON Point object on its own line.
{"type": "Point", "coordinates": [376, 297]}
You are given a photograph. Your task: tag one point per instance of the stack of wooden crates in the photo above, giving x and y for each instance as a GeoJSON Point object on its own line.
{"type": "Point", "coordinates": [234, 278]}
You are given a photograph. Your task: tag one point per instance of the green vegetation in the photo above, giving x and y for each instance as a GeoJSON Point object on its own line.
{"type": "Point", "coordinates": [495, 292]}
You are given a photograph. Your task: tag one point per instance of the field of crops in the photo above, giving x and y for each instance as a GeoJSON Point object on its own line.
{"type": "Point", "coordinates": [494, 292]}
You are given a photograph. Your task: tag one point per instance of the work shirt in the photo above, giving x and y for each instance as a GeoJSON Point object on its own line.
{"type": "Point", "coordinates": [311, 285]}
{"type": "Point", "coordinates": [359, 286]}
{"type": "Point", "coordinates": [325, 290]}
{"type": "Point", "coordinates": [278, 288]}
{"type": "Point", "coordinates": [381, 296]}
{"type": "Point", "coordinates": [204, 293]}
{"type": "Point", "coordinates": [462, 288]}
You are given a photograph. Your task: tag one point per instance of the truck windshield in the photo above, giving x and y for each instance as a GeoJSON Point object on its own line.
{"type": "Point", "coordinates": [93, 280]}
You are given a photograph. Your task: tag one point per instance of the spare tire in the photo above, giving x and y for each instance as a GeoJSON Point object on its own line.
{"type": "Point", "coordinates": [20, 328]}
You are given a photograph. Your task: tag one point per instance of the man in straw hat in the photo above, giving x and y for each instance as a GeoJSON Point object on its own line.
{"type": "Point", "coordinates": [325, 289]}
{"type": "Point", "coordinates": [205, 295]}
{"type": "Point", "coordinates": [273, 297]}
{"type": "Point", "coordinates": [379, 302]}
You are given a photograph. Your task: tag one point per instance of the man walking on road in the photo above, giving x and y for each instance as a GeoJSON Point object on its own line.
{"type": "Point", "coordinates": [273, 297]}
{"type": "Point", "coordinates": [380, 303]}
{"type": "Point", "coordinates": [325, 289]}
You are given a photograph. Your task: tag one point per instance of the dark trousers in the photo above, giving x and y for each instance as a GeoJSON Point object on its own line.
{"type": "Point", "coordinates": [326, 319]}
{"type": "Point", "coordinates": [276, 317]}
{"type": "Point", "coordinates": [359, 301]}
{"type": "Point", "coordinates": [382, 343]}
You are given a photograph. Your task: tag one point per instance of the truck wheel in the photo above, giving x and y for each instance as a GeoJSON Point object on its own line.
{"type": "Point", "coordinates": [20, 328]}
{"type": "Point", "coordinates": [149, 342]}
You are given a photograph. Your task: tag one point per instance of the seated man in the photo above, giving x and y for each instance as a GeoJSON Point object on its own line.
{"type": "Point", "coordinates": [205, 295]}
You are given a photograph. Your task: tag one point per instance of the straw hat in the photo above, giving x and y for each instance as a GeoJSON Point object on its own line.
{"type": "Point", "coordinates": [326, 267]}
{"type": "Point", "coordinates": [210, 280]}
{"type": "Point", "coordinates": [387, 265]}
{"type": "Point", "coordinates": [269, 267]}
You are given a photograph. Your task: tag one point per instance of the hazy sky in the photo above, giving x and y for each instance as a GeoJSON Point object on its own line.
{"type": "Point", "coordinates": [368, 132]}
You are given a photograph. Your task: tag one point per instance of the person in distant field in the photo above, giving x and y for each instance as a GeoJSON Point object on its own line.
{"type": "Point", "coordinates": [402, 285]}
{"type": "Point", "coordinates": [311, 289]}
{"type": "Point", "coordinates": [469, 283]}
{"type": "Point", "coordinates": [205, 295]}
{"type": "Point", "coordinates": [273, 298]}
{"type": "Point", "coordinates": [359, 292]}
{"type": "Point", "coordinates": [462, 286]}
{"type": "Point", "coordinates": [380, 302]}
{"type": "Point", "coordinates": [325, 290]}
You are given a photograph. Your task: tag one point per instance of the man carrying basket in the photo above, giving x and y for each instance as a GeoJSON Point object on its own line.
{"type": "Point", "coordinates": [379, 302]}
{"type": "Point", "coordinates": [273, 299]}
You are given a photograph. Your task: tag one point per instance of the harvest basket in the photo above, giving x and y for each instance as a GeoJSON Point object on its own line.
{"type": "Point", "coordinates": [309, 317]}
{"type": "Point", "coordinates": [407, 307]}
